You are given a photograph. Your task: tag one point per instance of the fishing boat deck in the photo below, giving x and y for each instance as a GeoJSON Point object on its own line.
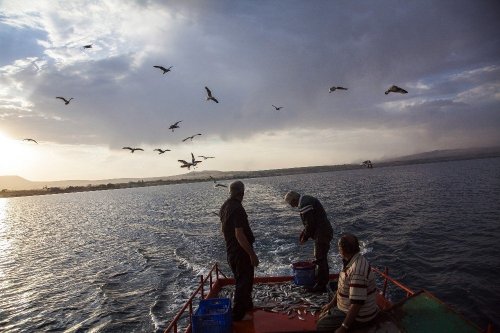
{"type": "Point", "coordinates": [264, 320]}
{"type": "Point", "coordinates": [297, 310]}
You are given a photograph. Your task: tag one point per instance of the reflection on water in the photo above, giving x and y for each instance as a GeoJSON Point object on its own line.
{"type": "Point", "coordinates": [4, 241]}
{"type": "Point", "coordinates": [126, 260]}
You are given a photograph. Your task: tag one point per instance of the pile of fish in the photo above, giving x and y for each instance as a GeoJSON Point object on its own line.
{"type": "Point", "coordinates": [285, 298]}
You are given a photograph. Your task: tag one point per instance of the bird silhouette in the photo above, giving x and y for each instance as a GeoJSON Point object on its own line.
{"type": "Point", "coordinates": [396, 89]}
{"type": "Point", "coordinates": [209, 96]}
{"type": "Point", "coordinates": [185, 164]}
{"type": "Point", "coordinates": [194, 162]}
{"type": "Point", "coordinates": [332, 89]}
{"type": "Point", "coordinates": [66, 101]}
{"type": "Point", "coordinates": [205, 157]}
{"type": "Point", "coordinates": [132, 150]}
{"type": "Point", "coordinates": [217, 184]}
{"type": "Point", "coordinates": [165, 70]}
{"type": "Point", "coordinates": [28, 139]}
{"type": "Point", "coordinates": [161, 151]}
{"type": "Point", "coordinates": [191, 137]}
{"type": "Point", "coordinates": [88, 46]}
{"type": "Point", "coordinates": [174, 126]}
{"type": "Point", "coordinates": [277, 107]}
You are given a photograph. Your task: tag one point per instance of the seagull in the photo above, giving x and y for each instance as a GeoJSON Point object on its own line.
{"type": "Point", "coordinates": [206, 157]}
{"type": "Point", "coordinates": [396, 89]}
{"type": "Point", "coordinates": [209, 95]}
{"type": "Point", "coordinates": [132, 150]}
{"type": "Point", "coordinates": [194, 161]}
{"type": "Point", "coordinates": [66, 101]}
{"type": "Point", "coordinates": [174, 126]}
{"type": "Point", "coordinates": [27, 139]}
{"type": "Point", "coordinates": [190, 137]}
{"type": "Point", "coordinates": [185, 164]}
{"type": "Point", "coordinates": [217, 184]}
{"type": "Point", "coordinates": [332, 89]}
{"type": "Point", "coordinates": [277, 107]}
{"type": "Point", "coordinates": [165, 70]}
{"type": "Point", "coordinates": [161, 151]}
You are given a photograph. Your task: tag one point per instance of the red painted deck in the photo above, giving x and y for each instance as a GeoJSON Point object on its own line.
{"type": "Point", "coordinates": [267, 322]}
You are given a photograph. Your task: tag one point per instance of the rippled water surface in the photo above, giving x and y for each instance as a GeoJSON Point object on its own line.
{"type": "Point", "coordinates": [126, 260]}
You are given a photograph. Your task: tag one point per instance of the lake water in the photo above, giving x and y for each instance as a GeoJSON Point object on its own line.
{"type": "Point", "coordinates": [126, 260]}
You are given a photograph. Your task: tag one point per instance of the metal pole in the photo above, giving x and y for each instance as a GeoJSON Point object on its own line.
{"type": "Point", "coordinates": [385, 281]}
{"type": "Point", "coordinates": [202, 289]}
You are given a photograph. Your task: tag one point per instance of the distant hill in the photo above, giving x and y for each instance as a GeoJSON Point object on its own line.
{"type": "Point", "coordinates": [446, 154]}
{"type": "Point", "coordinates": [16, 183]}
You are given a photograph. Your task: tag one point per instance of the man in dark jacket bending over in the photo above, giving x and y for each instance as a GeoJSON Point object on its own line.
{"type": "Point", "coordinates": [239, 247]}
{"type": "Point", "coordinates": [318, 227]}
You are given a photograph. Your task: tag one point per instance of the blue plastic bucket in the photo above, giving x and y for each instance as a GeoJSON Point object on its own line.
{"type": "Point", "coordinates": [304, 273]}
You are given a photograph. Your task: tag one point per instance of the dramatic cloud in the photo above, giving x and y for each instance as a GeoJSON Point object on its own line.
{"type": "Point", "coordinates": [252, 55]}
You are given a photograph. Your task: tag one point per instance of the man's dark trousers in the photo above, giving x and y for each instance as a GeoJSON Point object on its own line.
{"type": "Point", "coordinates": [243, 272]}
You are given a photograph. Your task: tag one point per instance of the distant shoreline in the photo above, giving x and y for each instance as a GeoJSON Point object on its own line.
{"type": "Point", "coordinates": [230, 175]}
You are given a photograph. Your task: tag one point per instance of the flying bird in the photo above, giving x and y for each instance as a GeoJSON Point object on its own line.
{"type": "Point", "coordinates": [174, 126]}
{"type": "Point", "coordinates": [27, 139]}
{"type": "Point", "coordinates": [161, 151]}
{"type": "Point", "coordinates": [188, 165]}
{"type": "Point", "coordinates": [205, 157]}
{"type": "Point", "coordinates": [217, 184]}
{"type": "Point", "coordinates": [132, 150]}
{"type": "Point", "coordinates": [396, 89]}
{"type": "Point", "coordinates": [277, 107]}
{"type": "Point", "coordinates": [88, 46]}
{"type": "Point", "coordinates": [185, 164]}
{"type": "Point", "coordinates": [66, 101]}
{"type": "Point", "coordinates": [332, 89]}
{"type": "Point", "coordinates": [165, 70]}
{"type": "Point", "coordinates": [194, 162]}
{"type": "Point", "coordinates": [209, 96]}
{"type": "Point", "coordinates": [190, 137]}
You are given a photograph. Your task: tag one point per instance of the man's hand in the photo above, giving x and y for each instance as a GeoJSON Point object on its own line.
{"type": "Point", "coordinates": [325, 309]}
{"type": "Point", "coordinates": [302, 238]}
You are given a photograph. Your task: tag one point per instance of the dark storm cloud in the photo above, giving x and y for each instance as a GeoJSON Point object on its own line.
{"type": "Point", "coordinates": [288, 53]}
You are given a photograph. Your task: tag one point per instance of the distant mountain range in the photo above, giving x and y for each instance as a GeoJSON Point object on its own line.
{"type": "Point", "coordinates": [16, 183]}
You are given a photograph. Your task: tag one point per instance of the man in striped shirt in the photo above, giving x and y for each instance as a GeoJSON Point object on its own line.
{"type": "Point", "coordinates": [354, 304]}
{"type": "Point", "coordinates": [318, 227]}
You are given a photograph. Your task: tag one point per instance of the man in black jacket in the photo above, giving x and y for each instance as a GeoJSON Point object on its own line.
{"type": "Point", "coordinates": [239, 247]}
{"type": "Point", "coordinates": [318, 227]}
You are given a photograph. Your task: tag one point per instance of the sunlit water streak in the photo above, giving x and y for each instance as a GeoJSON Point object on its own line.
{"type": "Point", "coordinates": [126, 260]}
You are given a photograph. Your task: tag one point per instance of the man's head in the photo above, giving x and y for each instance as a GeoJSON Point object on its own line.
{"type": "Point", "coordinates": [237, 189]}
{"type": "Point", "coordinates": [348, 246]}
{"type": "Point", "coordinates": [292, 198]}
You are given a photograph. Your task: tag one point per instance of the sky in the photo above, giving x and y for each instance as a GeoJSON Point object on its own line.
{"type": "Point", "coordinates": [252, 55]}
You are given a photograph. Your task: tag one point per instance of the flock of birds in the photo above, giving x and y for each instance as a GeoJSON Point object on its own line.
{"type": "Point", "coordinates": [209, 97]}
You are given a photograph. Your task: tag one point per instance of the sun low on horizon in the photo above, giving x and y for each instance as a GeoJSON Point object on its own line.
{"type": "Point", "coordinates": [18, 155]}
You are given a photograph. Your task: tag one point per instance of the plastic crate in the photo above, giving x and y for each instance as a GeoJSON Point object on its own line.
{"type": "Point", "coordinates": [213, 316]}
{"type": "Point", "coordinates": [304, 273]}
